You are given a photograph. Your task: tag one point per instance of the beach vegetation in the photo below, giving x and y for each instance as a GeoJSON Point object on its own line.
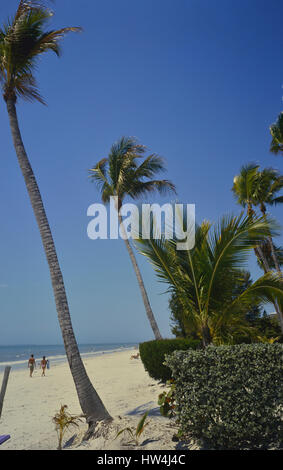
{"type": "Point", "coordinates": [135, 434]}
{"type": "Point", "coordinates": [153, 353]}
{"type": "Point", "coordinates": [24, 39]}
{"type": "Point", "coordinates": [128, 172]}
{"type": "Point", "coordinates": [166, 400]}
{"type": "Point", "coordinates": [63, 421]}
{"type": "Point", "coordinates": [261, 325]}
{"type": "Point", "coordinates": [209, 279]}
{"type": "Point", "coordinates": [276, 131]}
{"type": "Point", "coordinates": [230, 397]}
{"type": "Point", "coordinates": [258, 188]}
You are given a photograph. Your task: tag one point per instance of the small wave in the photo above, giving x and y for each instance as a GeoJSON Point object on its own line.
{"type": "Point", "coordinates": [62, 357]}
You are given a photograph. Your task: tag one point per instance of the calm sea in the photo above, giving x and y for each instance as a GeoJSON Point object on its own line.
{"type": "Point", "coordinates": [17, 356]}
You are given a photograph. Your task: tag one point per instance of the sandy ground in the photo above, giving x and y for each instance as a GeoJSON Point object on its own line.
{"type": "Point", "coordinates": [123, 385]}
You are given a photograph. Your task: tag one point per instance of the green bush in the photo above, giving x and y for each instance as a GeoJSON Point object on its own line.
{"type": "Point", "coordinates": [230, 397]}
{"type": "Point", "coordinates": [152, 354]}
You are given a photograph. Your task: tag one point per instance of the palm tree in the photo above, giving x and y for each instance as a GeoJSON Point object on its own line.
{"type": "Point", "coordinates": [120, 176]}
{"type": "Point", "coordinates": [276, 131]}
{"type": "Point", "coordinates": [243, 189]}
{"type": "Point", "coordinates": [204, 278]}
{"type": "Point", "coordinates": [267, 184]}
{"type": "Point", "coordinates": [265, 246]}
{"type": "Point", "coordinates": [22, 41]}
{"type": "Point", "coordinates": [253, 187]}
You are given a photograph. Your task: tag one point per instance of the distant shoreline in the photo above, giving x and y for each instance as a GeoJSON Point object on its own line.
{"type": "Point", "coordinates": [20, 358]}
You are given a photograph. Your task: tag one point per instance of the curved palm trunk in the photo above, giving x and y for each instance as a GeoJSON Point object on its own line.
{"type": "Point", "coordinates": [147, 306]}
{"type": "Point", "coordinates": [90, 402]}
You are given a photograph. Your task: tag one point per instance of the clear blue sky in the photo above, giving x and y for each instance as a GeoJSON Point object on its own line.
{"type": "Point", "coordinates": [199, 82]}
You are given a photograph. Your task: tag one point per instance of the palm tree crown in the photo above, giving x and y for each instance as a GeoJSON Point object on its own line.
{"type": "Point", "coordinates": [243, 186]}
{"type": "Point", "coordinates": [205, 278]}
{"type": "Point", "coordinates": [253, 187]}
{"type": "Point", "coordinates": [267, 185]}
{"type": "Point", "coordinates": [276, 131]}
{"type": "Point", "coordinates": [121, 174]}
{"type": "Point", "coordinates": [22, 40]}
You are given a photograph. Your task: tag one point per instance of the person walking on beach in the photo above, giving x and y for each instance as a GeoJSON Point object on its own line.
{"type": "Point", "coordinates": [43, 366]}
{"type": "Point", "coordinates": [31, 365]}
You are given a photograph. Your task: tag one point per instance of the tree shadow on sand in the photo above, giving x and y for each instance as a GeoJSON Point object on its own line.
{"type": "Point", "coordinates": [140, 410]}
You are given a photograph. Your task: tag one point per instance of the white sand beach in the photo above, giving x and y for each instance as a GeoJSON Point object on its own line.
{"type": "Point", "coordinates": [122, 383]}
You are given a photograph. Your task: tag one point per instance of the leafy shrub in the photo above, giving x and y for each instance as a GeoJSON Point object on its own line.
{"type": "Point", "coordinates": [152, 354]}
{"type": "Point", "coordinates": [230, 397]}
{"type": "Point", "coordinates": [166, 400]}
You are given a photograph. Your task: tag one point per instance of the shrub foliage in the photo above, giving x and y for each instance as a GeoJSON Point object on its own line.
{"type": "Point", "coordinates": [230, 397]}
{"type": "Point", "coordinates": [152, 354]}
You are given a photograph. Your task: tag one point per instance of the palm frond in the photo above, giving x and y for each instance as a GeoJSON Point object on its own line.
{"type": "Point", "coordinates": [22, 41]}
{"type": "Point", "coordinates": [125, 176]}
{"type": "Point", "coordinates": [276, 131]}
{"type": "Point", "coordinates": [209, 280]}
{"type": "Point", "coordinates": [243, 185]}
{"type": "Point", "coordinates": [140, 188]}
{"type": "Point", "coordinates": [264, 290]}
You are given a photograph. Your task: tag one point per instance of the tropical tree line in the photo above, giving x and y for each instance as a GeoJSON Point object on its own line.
{"type": "Point", "coordinates": [208, 283]}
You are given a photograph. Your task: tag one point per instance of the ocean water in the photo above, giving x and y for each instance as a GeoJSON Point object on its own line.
{"type": "Point", "coordinates": [18, 356]}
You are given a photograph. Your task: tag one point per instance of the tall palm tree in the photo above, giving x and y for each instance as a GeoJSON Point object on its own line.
{"type": "Point", "coordinates": [204, 278]}
{"type": "Point", "coordinates": [120, 176]}
{"type": "Point", "coordinates": [267, 184]}
{"type": "Point", "coordinates": [276, 131]}
{"type": "Point", "coordinates": [243, 189]}
{"type": "Point", "coordinates": [22, 41]}
{"type": "Point", "coordinates": [252, 188]}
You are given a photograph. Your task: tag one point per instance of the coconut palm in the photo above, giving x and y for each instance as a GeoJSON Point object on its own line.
{"type": "Point", "coordinates": [267, 184]}
{"type": "Point", "coordinates": [252, 188]}
{"type": "Point", "coordinates": [23, 40]}
{"type": "Point", "coordinates": [276, 131]}
{"type": "Point", "coordinates": [243, 189]}
{"type": "Point", "coordinates": [204, 278]}
{"type": "Point", "coordinates": [120, 176]}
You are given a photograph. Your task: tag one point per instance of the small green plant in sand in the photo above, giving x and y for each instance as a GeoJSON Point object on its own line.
{"type": "Point", "coordinates": [135, 434]}
{"type": "Point", "coordinates": [63, 420]}
{"type": "Point", "coordinates": [166, 401]}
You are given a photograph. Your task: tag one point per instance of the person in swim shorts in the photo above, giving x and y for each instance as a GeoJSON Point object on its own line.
{"type": "Point", "coordinates": [31, 365]}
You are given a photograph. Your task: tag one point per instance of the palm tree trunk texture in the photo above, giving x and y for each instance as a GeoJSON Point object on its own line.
{"type": "Point", "coordinates": [206, 336]}
{"type": "Point", "coordinates": [147, 306]}
{"type": "Point", "coordinates": [90, 402]}
{"type": "Point", "coordinates": [273, 254]}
